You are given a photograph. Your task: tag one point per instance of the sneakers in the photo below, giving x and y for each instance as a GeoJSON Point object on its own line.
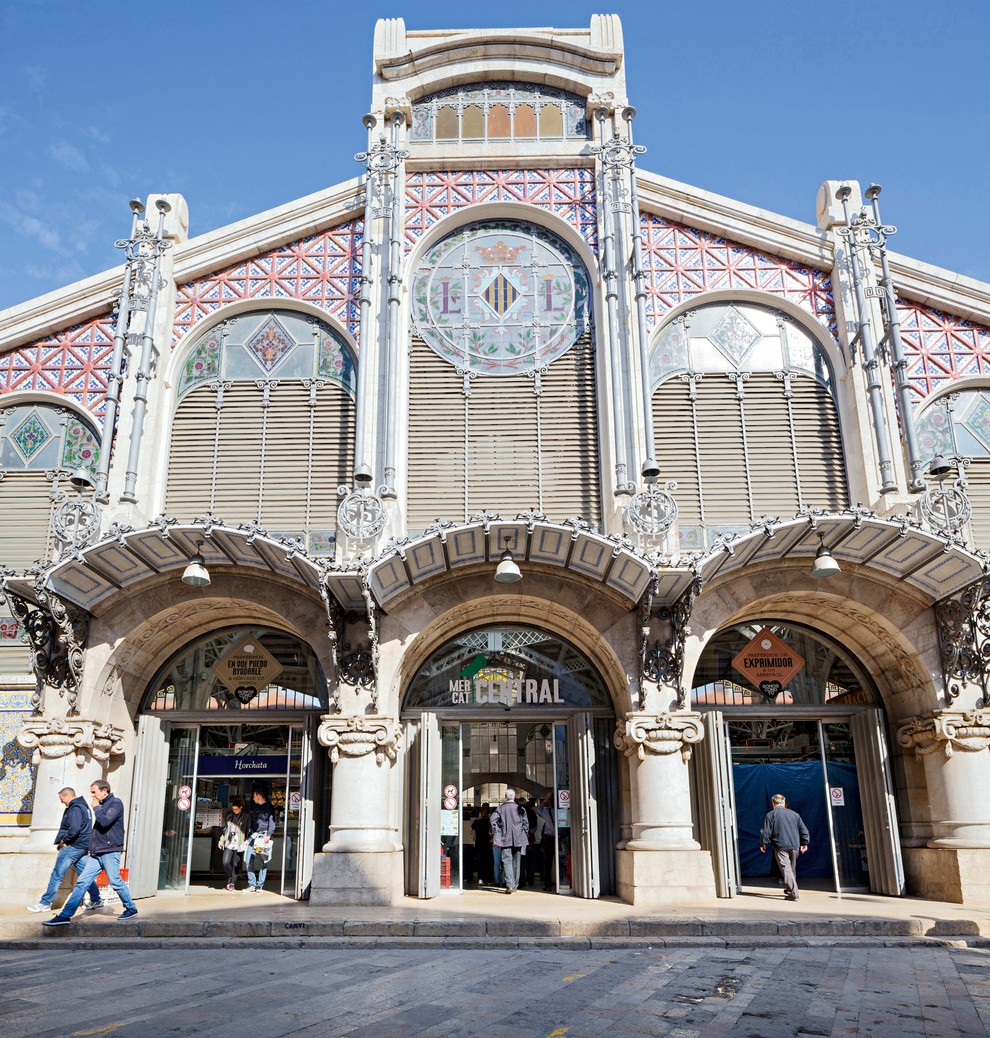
{"type": "Point", "coordinates": [39, 907]}
{"type": "Point", "coordinates": [57, 920]}
{"type": "Point", "coordinates": [92, 906]}
{"type": "Point", "coordinates": [230, 886]}
{"type": "Point", "coordinates": [128, 913]}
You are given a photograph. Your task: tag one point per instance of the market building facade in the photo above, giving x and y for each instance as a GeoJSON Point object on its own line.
{"type": "Point", "coordinates": [504, 464]}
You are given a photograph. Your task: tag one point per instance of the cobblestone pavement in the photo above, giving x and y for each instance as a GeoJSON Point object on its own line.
{"type": "Point", "coordinates": [501, 993]}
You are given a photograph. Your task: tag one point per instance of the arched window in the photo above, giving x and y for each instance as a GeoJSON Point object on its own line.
{"type": "Point", "coordinates": [264, 427]}
{"type": "Point", "coordinates": [242, 669]}
{"type": "Point", "coordinates": [41, 445]}
{"type": "Point", "coordinates": [957, 426]}
{"type": "Point", "coordinates": [502, 379]}
{"type": "Point", "coordinates": [745, 419]}
{"type": "Point", "coordinates": [767, 664]}
{"type": "Point", "coordinates": [499, 111]}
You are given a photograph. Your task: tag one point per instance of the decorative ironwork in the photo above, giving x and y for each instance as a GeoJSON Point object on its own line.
{"type": "Point", "coordinates": [663, 630]}
{"type": "Point", "coordinates": [653, 511]}
{"type": "Point", "coordinates": [963, 624]}
{"type": "Point", "coordinates": [946, 507]}
{"type": "Point", "coordinates": [361, 515]}
{"type": "Point", "coordinates": [75, 520]}
{"type": "Point", "coordinates": [56, 634]}
{"type": "Point", "coordinates": [383, 159]}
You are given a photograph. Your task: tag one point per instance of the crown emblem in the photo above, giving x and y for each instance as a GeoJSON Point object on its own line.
{"type": "Point", "coordinates": [499, 252]}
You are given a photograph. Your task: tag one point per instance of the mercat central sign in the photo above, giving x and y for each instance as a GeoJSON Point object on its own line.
{"type": "Point", "coordinates": [470, 691]}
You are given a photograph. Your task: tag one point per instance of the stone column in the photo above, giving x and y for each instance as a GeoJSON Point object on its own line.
{"type": "Point", "coordinates": [662, 863]}
{"type": "Point", "coordinates": [953, 747]}
{"type": "Point", "coordinates": [361, 862]}
{"type": "Point", "coordinates": [67, 751]}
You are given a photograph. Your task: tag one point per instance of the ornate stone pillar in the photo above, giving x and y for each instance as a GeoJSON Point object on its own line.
{"type": "Point", "coordinates": [953, 747]}
{"type": "Point", "coordinates": [662, 863]}
{"type": "Point", "coordinates": [361, 863]}
{"type": "Point", "coordinates": [68, 751]}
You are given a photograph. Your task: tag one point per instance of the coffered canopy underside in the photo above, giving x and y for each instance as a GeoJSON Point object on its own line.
{"type": "Point", "coordinates": [894, 551]}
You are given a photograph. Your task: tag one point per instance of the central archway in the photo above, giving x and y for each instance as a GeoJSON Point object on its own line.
{"type": "Point", "coordinates": [509, 706]}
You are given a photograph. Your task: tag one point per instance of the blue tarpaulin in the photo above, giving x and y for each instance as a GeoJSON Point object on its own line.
{"type": "Point", "coordinates": [801, 782]}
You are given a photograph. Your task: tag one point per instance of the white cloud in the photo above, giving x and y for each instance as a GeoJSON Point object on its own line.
{"type": "Point", "coordinates": [68, 156]}
{"type": "Point", "coordinates": [28, 226]}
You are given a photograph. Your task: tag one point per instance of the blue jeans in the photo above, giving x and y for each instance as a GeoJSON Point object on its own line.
{"type": "Point", "coordinates": [497, 862]}
{"type": "Point", "coordinates": [67, 857]}
{"type": "Point", "coordinates": [255, 880]}
{"type": "Point", "coordinates": [510, 866]}
{"type": "Point", "coordinates": [110, 863]}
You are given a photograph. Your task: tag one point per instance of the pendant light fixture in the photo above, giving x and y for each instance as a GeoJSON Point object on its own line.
{"type": "Point", "coordinates": [196, 574]}
{"type": "Point", "coordinates": [824, 565]}
{"type": "Point", "coordinates": [508, 571]}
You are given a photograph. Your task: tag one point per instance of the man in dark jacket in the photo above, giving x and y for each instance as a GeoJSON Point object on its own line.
{"type": "Point", "coordinates": [510, 832]}
{"type": "Point", "coordinates": [259, 848]}
{"type": "Point", "coordinates": [787, 835]}
{"type": "Point", "coordinates": [104, 853]}
{"type": "Point", "coordinates": [72, 841]}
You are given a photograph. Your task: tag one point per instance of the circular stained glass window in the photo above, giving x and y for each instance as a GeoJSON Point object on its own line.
{"type": "Point", "coordinates": [500, 298]}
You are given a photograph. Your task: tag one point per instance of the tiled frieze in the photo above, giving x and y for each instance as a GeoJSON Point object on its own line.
{"type": "Point", "coordinates": [567, 193]}
{"type": "Point", "coordinates": [73, 363]}
{"type": "Point", "coordinates": [940, 348]}
{"type": "Point", "coordinates": [323, 269]}
{"type": "Point", "coordinates": [681, 262]}
{"type": "Point", "coordinates": [17, 773]}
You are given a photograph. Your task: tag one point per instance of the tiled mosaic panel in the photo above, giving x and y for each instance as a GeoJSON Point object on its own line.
{"type": "Point", "coordinates": [567, 193]}
{"type": "Point", "coordinates": [681, 262]}
{"type": "Point", "coordinates": [17, 773]}
{"type": "Point", "coordinates": [73, 363]}
{"type": "Point", "coordinates": [323, 269]}
{"type": "Point", "coordinates": [941, 348]}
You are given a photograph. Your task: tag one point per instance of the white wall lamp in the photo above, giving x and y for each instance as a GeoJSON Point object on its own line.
{"type": "Point", "coordinates": [508, 571]}
{"type": "Point", "coordinates": [824, 565]}
{"type": "Point", "coordinates": [196, 574]}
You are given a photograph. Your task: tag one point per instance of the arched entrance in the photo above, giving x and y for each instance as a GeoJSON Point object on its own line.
{"type": "Point", "coordinates": [788, 710]}
{"type": "Point", "coordinates": [231, 714]}
{"type": "Point", "coordinates": [509, 706]}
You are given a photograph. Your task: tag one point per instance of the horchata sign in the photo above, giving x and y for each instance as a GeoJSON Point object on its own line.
{"type": "Point", "coordinates": [246, 668]}
{"type": "Point", "coordinates": [768, 664]}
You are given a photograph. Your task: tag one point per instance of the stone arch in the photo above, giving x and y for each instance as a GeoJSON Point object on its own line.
{"type": "Point", "coordinates": [891, 635]}
{"type": "Point", "coordinates": [610, 649]}
{"type": "Point", "coordinates": [129, 642]}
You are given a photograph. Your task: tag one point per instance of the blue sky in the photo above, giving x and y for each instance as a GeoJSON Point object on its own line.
{"type": "Point", "coordinates": [245, 106]}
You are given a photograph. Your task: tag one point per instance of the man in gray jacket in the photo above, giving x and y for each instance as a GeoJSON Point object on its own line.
{"type": "Point", "coordinates": [787, 835]}
{"type": "Point", "coordinates": [510, 832]}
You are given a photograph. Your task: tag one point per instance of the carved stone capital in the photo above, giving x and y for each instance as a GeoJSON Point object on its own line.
{"type": "Point", "coordinates": [359, 736]}
{"type": "Point", "coordinates": [54, 737]}
{"type": "Point", "coordinates": [948, 731]}
{"type": "Point", "coordinates": [658, 734]}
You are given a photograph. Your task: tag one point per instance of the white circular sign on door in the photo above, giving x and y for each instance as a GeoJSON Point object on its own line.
{"type": "Point", "coordinates": [183, 803]}
{"type": "Point", "coordinates": [563, 798]}
{"type": "Point", "coordinates": [185, 791]}
{"type": "Point", "coordinates": [449, 803]}
{"type": "Point", "coordinates": [450, 791]}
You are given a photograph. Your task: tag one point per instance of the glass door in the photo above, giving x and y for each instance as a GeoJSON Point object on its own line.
{"type": "Point", "coordinates": [479, 761]}
{"type": "Point", "coordinates": [210, 767]}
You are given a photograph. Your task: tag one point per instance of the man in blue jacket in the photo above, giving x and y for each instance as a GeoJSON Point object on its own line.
{"type": "Point", "coordinates": [72, 840]}
{"type": "Point", "coordinates": [104, 853]}
{"type": "Point", "coordinates": [787, 835]}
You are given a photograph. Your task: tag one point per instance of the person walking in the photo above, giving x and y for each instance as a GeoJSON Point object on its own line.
{"type": "Point", "coordinates": [234, 841]}
{"type": "Point", "coordinates": [784, 830]}
{"type": "Point", "coordinates": [259, 844]}
{"type": "Point", "coordinates": [510, 832]}
{"type": "Point", "coordinates": [105, 849]}
{"type": "Point", "coordinates": [72, 840]}
{"type": "Point", "coordinates": [546, 831]}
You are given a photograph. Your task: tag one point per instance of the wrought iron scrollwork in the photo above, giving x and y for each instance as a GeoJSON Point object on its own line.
{"type": "Point", "coordinates": [664, 628]}
{"type": "Point", "coordinates": [56, 634]}
{"type": "Point", "coordinates": [963, 624]}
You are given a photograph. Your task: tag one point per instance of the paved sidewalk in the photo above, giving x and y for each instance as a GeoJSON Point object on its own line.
{"type": "Point", "coordinates": [866, 992]}
{"type": "Point", "coordinates": [481, 918]}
